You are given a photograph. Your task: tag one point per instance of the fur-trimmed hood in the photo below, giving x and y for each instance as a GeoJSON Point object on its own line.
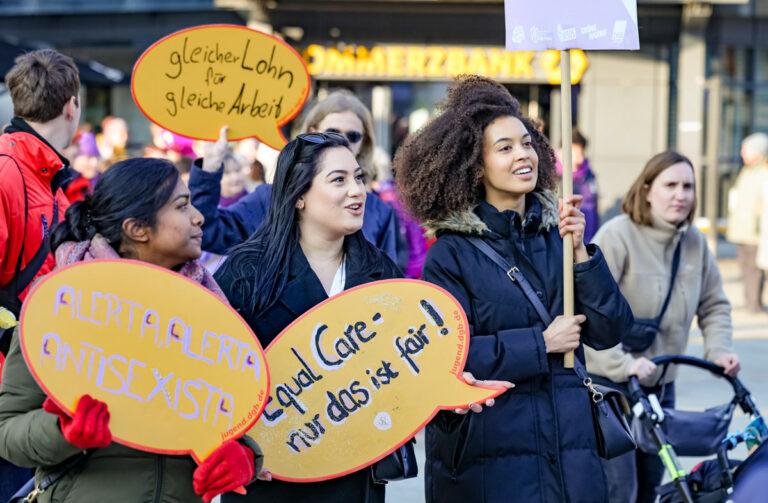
{"type": "Point", "coordinates": [467, 221]}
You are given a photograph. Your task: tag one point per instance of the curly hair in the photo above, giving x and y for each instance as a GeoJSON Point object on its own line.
{"type": "Point", "coordinates": [439, 169]}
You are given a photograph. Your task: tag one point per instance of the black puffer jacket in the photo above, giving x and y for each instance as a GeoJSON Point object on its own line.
{"type": "Point", "coordinates": [537, 444]}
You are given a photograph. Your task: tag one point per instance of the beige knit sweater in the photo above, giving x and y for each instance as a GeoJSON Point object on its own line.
{"type": "Point", "coordinates": [640, 259]}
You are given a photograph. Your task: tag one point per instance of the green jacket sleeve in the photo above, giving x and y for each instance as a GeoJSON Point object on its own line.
{"type": "Point", "coordinates": [29, 436]}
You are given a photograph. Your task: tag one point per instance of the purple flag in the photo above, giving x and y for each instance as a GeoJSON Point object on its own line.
{"type": "Point", "coordinates": [571, 24]}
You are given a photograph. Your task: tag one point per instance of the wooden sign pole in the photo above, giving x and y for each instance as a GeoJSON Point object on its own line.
{"type": "Point", "coordinates": [567, 159]}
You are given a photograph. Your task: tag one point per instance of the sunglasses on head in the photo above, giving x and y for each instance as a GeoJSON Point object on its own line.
{"type": "Point", "coordinates": [319, 138]}
{"type": "Point", "coordinates": [352, 136]}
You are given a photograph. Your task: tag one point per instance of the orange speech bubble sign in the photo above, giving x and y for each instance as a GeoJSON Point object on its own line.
{"type": "Point", "coordinates": [197, 80]}
{"type": "Point", "coordinates": [180, 371]}
{"type": "Point", "coordinates": [360, 374]}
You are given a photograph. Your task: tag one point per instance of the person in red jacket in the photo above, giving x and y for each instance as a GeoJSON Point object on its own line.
{"type": "Point", "coordinates": [44, 87]}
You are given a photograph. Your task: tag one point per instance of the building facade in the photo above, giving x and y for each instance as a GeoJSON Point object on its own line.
{"type": "Point", "coordinates": [698, 83]}
{"type": "Point", "coordinates": [399, 56]}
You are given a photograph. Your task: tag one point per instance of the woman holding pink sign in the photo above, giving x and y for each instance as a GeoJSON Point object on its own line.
{"type": "Point", "coordinates": [140, 210]}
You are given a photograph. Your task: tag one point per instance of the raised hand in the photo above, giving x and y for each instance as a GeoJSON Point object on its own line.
{"type": "Point", "coordinates": [214, 153]}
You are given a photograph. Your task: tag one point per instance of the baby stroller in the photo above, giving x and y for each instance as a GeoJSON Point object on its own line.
{"type": "Point", "coordinates": [671, 433]}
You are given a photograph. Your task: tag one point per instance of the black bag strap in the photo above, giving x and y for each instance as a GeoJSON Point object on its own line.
{"type": "Point", "coordinates": [517, 277]}
{"type": "Point", "coordinates": [675, 267]}
{"type": "Point", "coordinates": [12, 284]}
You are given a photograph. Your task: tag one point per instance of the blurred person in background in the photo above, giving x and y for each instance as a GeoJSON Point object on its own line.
{"type": "Point", "coordinates": [168, 145]}
{"type": "Point", "coordinates": [157, 147]}
{"type": "Point", "coordinates": [177, 146]}
{"type": "Point", "coordinates": [233, 183]}
{"type": "Point", "coordinates": [233, 180]}
{"type": "Point", "coordinates": [85, 165]}
{"type": "Point", "coordinates": [584, 183]}
{"type": "Point", "coordinates": [247, 152]}
{"type": "Point", "coordinates": [256, 176]}
{"type": "Point", "coordinates": [248, 149]}
{"type": "Point", "coordinates": [745, 206]}
{"type": "Point", "coordinates": [112, 142]}
{"type": "Point", "coordinates": [411, 243]}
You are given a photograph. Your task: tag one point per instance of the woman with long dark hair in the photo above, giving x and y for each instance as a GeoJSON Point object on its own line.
{"type": "Point", "coordinates": [309, 247]}
{"type": "Point", "coordinates": [481, 176]}
{"type": "Point", "coordinates": [139, 209]}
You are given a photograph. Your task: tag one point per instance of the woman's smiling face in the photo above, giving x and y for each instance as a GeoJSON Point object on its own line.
{"type": "Point", "coordinates": [510, 161]}
{"type": "Point", "coordinates": [335, 202]}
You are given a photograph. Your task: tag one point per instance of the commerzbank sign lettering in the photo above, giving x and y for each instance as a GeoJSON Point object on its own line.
{"type": "Point", "coordinates": [429, 62]}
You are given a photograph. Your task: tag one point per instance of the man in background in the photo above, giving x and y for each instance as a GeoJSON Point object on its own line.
{"type": "Point", "coordinates": [44, 87]}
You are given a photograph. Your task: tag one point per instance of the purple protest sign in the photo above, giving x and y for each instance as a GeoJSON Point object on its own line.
{"type": "Point", "coordinates": [569, 24]}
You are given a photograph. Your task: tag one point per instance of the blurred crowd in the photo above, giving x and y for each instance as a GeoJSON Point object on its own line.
{"type": "Point", "coordinates": [97, 147]}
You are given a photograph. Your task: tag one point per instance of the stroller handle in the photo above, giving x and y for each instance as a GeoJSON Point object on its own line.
{"type": "Point", "coordinates": [745, 400]}
{"type": "Point", "coordinates": [691, 361]}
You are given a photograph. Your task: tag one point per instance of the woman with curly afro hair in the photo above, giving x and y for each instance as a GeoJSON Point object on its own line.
{"type": "Point", "coordinates": [479, 174]}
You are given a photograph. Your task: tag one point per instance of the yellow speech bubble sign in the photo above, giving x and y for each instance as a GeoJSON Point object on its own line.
{"type": "Point", "coordinates": [360, 374]}
{"type": "Point", "coordinates": [180, 371]}
{"type": "Point", "coordinates": [197, 80]}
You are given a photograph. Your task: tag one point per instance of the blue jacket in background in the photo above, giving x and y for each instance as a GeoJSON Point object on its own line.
{"type": "Point", "coordinates": [537, 443]}
{"type": "Point", "coordinates": [227, 227]}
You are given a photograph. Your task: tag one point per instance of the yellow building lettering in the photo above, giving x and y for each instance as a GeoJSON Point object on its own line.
{"type": "Point", "coordinates": [395, 61]}
{"type": "Point", "coordinates": [416, 62]}
{"type": "Point", "coordinates": [435, 61]}
{"type": "Point", "coordinates": [477, 62]}
{"type": "Point", "coordinates": [456, 62]}
{"type": "Point", "coordinates": [523, 64]}
{"type": "Point", "coordinates": [399, 62]}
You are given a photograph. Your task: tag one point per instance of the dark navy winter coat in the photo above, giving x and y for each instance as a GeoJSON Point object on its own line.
{"type": "Point", "coordinates": [227, 227]}
{"type": "Point", "coordinates": [537, 443]}
{"type": "Point", "coordinates": [303, 292]}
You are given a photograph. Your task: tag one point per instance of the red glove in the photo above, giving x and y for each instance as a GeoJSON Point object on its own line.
{"type": "Point", "coordinates": [88, 428]}
{"type": "Point", "coordinates": [229, 467]}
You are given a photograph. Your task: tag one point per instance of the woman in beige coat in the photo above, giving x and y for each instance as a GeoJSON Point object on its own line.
{"type": "Point", "coordinates": [639, 246]}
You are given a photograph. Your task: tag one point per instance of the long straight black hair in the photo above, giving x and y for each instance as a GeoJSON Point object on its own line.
{"type": "Point", "coordinates": [256, 271]}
